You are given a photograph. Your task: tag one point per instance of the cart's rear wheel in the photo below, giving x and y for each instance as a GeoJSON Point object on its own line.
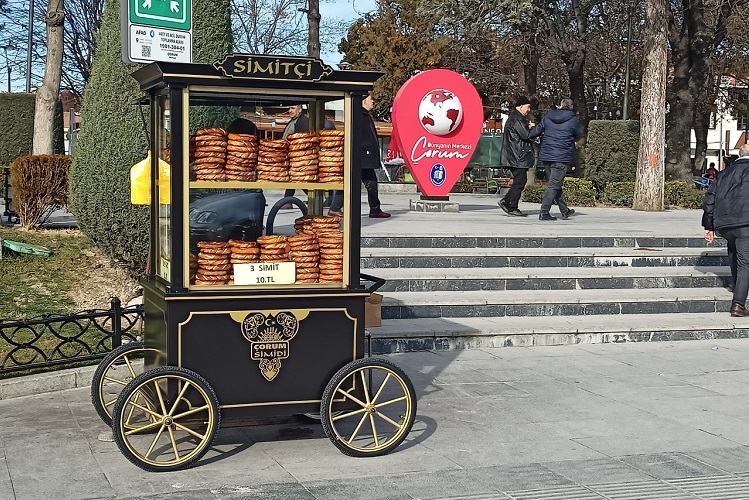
{"type": "Point", "coordinates": [368, 407]}
{"type": "Point", "coordinates": [165, 419]}
{"type": "Point", "coordinates": [114, 372]}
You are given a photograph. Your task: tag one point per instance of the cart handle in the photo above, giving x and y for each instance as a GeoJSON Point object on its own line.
{"type": "Point", "coordinates": [378, 282]}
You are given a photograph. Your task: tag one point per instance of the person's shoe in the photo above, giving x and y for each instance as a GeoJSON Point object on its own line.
{"type": "Point", "coordinates": [569, 213]}
{"type": "Point", "coordinates": [546, 217]}
{"type": "Point", "coordinates": [516, 213]}
{"type": "Point", "coordinates": [738, 310]}
{"type": "Point", "coordinates": [504, 207]}
{"type": "Point", "coordinates": [379, 215]}
{"type": "Point", "coordinates": [335, 213]}
{"type": "Point", "coordinates": [288, 206]}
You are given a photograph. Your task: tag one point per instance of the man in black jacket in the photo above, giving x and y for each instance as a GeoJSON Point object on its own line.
{"type": "Point", "coordinates": [517, 155]}
{"type": "Point", "coordinates": [727, 211]}
{"type": "Point", "coordinates": [370, 162]}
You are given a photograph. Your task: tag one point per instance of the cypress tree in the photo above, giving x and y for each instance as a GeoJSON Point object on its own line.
{"type": "Point", "coordinates": [112, 138]}
{"type": "Point", "coordinates": [110, 141]}
{"type": "Point", "coordinates": [212, 41]}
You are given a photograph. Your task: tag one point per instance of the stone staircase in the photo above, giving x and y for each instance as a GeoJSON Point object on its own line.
{"type": "Point", "coordinates": [458, 292]}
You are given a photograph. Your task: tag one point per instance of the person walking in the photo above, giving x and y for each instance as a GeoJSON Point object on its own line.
{"type": "Point", "coordinates": [299, 122]}
{"type": "Point", "coordinates": [370, 162]}
{"type": "Point", "coordinates": [517, 155]}
{"type": "Point", "coordinates": [560, 129]}
{"type": "Point", "coordinates": [726, 210]}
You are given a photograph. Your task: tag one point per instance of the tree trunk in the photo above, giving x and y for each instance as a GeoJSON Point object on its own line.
{"type": "Point", "coordinates": [650, 163]}
{"type": "Point", "coordinates": [531, 56]}
{"type": "Point", "coordinates": [48, 94]}
{"type": "Point", "coordinates": [313, 20]}
{"type": "Point", "coordinates": [680, 109]}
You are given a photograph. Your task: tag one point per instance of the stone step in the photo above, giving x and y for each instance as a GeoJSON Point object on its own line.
{"type": "Point", "coordinates": [401, 335]}
{"type": "Point", "coordinates": [550, 278]}
{"type": "Point", "coordinates": [498, 303]}
{"type": "Point", "coordinates": [377, 258]}
{"type": "Point", "coordinates": [532, 242]}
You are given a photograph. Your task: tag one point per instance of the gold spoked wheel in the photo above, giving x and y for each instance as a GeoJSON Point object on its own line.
{"type": "Point", "coordinates": [114, 372]}
{"type": "Point", "coordinates": [368, 407]}
{"type": "Point", "coordinates": [165, 419]}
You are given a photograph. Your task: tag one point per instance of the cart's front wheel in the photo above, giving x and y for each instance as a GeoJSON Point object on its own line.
{"type": "Point", "coordinates": [114, 372]}
{"type": "Point", "coordinates": [368, 407]}
{"type": "Point", "coordinates": [165, 419]}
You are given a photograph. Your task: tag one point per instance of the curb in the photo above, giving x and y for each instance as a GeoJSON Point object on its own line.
{"type": "Point", "coordinates": [31, 385]}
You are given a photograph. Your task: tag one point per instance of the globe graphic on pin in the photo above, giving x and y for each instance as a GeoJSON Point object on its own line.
{"type": "Point", "coordinates": [440, 112]}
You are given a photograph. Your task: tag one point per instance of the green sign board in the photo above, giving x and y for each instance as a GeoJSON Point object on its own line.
{"type": "Point", "coordinates": [174, 14]}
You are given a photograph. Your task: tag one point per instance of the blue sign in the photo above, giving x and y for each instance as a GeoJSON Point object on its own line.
{"type": "Point", "coordinates": [437, 174]}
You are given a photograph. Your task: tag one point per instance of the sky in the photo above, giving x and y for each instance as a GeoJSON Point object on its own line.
{"type": "Point", "coordinates": [346, 10]}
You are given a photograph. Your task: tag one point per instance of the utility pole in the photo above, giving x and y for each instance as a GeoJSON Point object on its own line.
{"type": "Point", "coordinates": [625, 105]}
{"type": "Point", "coordinates": [313, 21]}
{"type": "Point", "coordinates": [7, 63]}
{"type": "Point", "coordinates": [29, 46]}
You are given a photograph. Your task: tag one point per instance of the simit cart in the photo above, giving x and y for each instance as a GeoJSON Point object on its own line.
{"type": "Point", "coordinates": [241, 324]}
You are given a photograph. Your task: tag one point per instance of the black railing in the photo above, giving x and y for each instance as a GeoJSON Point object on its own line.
{"type": "Point", "coordinates": [53, 340]}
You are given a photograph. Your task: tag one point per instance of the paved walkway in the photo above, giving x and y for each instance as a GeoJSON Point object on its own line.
{"type": "Point", "coordinates": [480, 216]}
{"type": "Point", "coordinates": [609, 421]}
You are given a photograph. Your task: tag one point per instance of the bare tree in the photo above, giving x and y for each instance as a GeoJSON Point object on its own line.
{"type": "Point", "coordinates": [47, 94]}
{"type": "Point", "coordinates": [82, 20]}
{"type": "Point", "coordinates": [650, 163]}
{"type": "Point", "coordinates": [279, 27]}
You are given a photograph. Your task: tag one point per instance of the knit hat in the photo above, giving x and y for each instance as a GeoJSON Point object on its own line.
{"type": "Point", "coordinates": [521, 100]}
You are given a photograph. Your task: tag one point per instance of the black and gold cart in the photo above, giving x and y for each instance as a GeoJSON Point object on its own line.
{"type": "Point", "coordinates": [239, 324]}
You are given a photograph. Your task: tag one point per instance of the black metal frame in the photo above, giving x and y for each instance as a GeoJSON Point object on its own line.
{"type": "Point", "coordinates": [23, 336]}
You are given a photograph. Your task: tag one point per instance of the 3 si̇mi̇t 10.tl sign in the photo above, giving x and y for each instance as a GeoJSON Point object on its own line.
{"type": "Point", "coordinates": [156, 30]}
{"type": "Point", "coordinates": [437, 122]}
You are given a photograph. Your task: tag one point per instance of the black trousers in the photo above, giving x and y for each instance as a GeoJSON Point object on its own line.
{"type": "Point", "coordinates": [369, 179]}
{"type": "Point", "coordinates": [519, 179]}
{"type": "Point", "coordinates": [738, 257]}
{"type": "Point", "coordinates": [555, 173]}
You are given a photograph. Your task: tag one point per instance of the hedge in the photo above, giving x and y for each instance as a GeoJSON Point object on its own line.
{"type": "Point", "coordinates": [17, 126]}
{"type": "Point", "coordinates": [578, 192]}
{"type": "Point", "coordinates": [611, 151]}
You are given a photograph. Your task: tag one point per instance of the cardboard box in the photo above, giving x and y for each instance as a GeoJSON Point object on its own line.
{"type": "Point", "coordinates": [373, 310]}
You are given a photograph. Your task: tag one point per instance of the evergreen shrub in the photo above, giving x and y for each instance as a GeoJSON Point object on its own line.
{"type": "Point", "coordinates": [681, 194]}
{"type": "Point", "coordinates": [533, 193]}
{"type": "Point", "coordinates": [694, 198]}
{"type": "Point", "coordinates": [675, 192]}
{"type": "Point", "coordinates": [579, 192]}
{"type": "Point", "coordinates": [40, 186]}
{"type": "Point", "coordinates": [611, 151]}
{"type": "Point", "coordinates": [619, 193]}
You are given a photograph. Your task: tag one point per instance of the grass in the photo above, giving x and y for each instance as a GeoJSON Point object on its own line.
{"type": "Point", "coordinates": [31, 286]}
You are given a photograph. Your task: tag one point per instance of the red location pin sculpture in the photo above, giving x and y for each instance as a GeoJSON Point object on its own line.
{"type": "Point", "coordinates": [437, 121]}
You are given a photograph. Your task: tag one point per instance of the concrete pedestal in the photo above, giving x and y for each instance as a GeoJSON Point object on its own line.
{"type": "Point", "coordinates": [434, 206]}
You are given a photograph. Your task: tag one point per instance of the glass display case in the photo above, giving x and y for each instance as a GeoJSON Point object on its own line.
{"type": "Point", "coordinates": [218, 157]}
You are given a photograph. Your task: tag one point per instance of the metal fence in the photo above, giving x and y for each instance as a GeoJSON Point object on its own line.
{"type": "Point", "coordinates": [53, 340]}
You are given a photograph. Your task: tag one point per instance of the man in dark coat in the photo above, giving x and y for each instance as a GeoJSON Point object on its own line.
{"type": "Point", "coordinates": [299, 122]}
{"type": "Point", "coordinates": [370, 162]}
{"type": "Point", "coordinates": [726, 210]}
{"type": "Point", "coordinates": [517, 155]}
{"type": "Point", "coordinates": [560, 129]}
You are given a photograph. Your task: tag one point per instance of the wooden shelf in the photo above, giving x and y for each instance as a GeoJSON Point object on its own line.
{"type": "Point", "coordinates": [322, 186]}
